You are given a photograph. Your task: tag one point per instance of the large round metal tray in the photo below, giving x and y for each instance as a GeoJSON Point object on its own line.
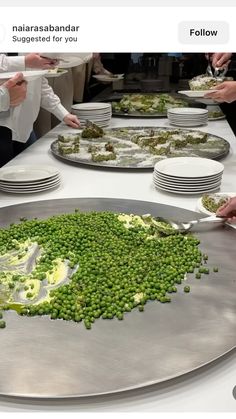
{"type": "Point", "coordinates": [135, 157]}
{"type": "Point", "coordinates": [57, 359]}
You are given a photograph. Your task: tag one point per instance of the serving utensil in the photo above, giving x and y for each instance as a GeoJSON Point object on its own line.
{"type": "Point", "coordinates": [182, 227]}
{"type": "Point", "coordinates": [209, 71]}
{"type": "Point", "coordinates": [220, 72]}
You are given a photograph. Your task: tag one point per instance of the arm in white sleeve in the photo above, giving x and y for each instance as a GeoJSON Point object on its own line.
{"type": "Point", "coordinates": [12, 63]}
{"type": "Point", "coordinates": [4, 99]}
{"type": "Point", "coordinates": [51, 102]}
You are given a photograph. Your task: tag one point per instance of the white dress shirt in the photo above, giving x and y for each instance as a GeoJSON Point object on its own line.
{"type": "Point", "coordinates": [4, 99]}
{"type": "Point", "coordinates": [20, 118]}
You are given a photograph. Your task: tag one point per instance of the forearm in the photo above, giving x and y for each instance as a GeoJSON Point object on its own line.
{"type": "Point", "coordinates": [51, 102]}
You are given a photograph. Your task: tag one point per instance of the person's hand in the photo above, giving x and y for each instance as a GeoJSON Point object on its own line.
{"type": "Point", "coordinates": [220, 59]}
{"type": "Point", "coordinates": [72, 120]}
{"type": "Point", "coordinates": [103, 71]}
{"type": "Point", "coordinates": [224, 92]}
{"type": "Point", "coordinates": [37, 61]}
{"type": "Point", "coordinates": [98, 66]}
{"type": "Point", "coordinates": [17, 88]}
{"type": "Point", "coordinates": [228, 210]}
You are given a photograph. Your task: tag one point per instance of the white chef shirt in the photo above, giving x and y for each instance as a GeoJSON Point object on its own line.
{"type": "Point", "coordinates": [20, 118]}
{"type": "Point", "coordinates": [4, 99]}
{"type": "Point", "coordinates": [9, 64]}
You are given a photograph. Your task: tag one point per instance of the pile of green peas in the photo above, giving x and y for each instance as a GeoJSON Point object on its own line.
{"type": "Point", "coordinates": [119, 268]}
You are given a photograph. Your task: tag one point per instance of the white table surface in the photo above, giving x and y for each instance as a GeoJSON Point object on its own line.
{"type": "Point", "coordinates": [208, 389]}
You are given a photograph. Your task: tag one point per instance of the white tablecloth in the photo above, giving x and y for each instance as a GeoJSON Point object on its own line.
{"type": "Point", "coordinates": [209, 388]}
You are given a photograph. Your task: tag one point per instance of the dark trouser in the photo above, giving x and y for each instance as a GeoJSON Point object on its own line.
{"type": "Point", "coordinates": [6, 145]}
{"type": "Point", "coordinates": [229, 110]}
{"type": "Point", "coordinates": [10, 149]}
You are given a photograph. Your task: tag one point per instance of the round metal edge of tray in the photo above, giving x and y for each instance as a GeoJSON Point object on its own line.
{"type": "Point", "coordinates": [191, 332]}
{"type": "Point", "coordinates": [112, 166]}
{"type": "Point", "coordinates": [138, 115]}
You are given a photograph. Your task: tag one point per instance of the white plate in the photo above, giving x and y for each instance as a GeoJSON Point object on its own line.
{"type": "Point", "coordinates": [193, 112]}
{"type": "Point", "coordinates": [184, 124]}
{"type": "Point", "coordinates": [184, 192]}
{"type": "Point", "coordinates": [28, 75]}
{"type": "Point", "coordinates": [30, 190]}
{"type": "Point", "coordinates": [190, 188]}
{"type": "Point", "coordinates": [93, 116]}
{"type": "Point", "coordinates": [189, 167]}
{"type": "Point", "coordinates": [187, 117]}
{"type": "Point", "coordinates": [190, 185]}
{"type": "Point", "coordinates": [183, 181]}
{"type": "Point", "coordinates": [91, 106]}
{"type": "Point", "coordinates": [196, 93]}
{"type": "Point", "coordinates": [201, 208]}
{"type": "Point", "coordinates": [27, 173]}
{"type": "Point", "coordinates": [29, 185]}
{"type": "Point", "coordinates": [106, 78]}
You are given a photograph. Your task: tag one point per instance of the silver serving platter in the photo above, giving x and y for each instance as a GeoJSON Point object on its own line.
{"type": "Point", "coordinates": [145, 115]}
{"type": "Point", "coordinates": [43, 358]}
{"type": "Point", "coordinates": [133, 156]}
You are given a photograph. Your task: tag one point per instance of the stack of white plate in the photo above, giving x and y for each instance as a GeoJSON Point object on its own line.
{"type": "Point", "coordinates": [28, 179]}
{"type": "Point", "coordinates": [99, 113]}
{"type": "Point", "coordinates": [188, 175]}
{"type": "Point", "coordinates": [187, 117]}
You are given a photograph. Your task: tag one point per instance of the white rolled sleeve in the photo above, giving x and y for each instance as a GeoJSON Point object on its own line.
{"type": "Point", "coordinates": [51, 102]}
{"type": "Point", "coordinates": [12, 63]}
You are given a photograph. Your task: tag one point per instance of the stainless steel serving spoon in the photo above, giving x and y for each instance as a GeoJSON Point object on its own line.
{"type": "Point", "coordinates": [184, 227]}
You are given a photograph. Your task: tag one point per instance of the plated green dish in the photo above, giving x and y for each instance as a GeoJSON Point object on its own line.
{"type": "Point", "coordinates": [146, 105]}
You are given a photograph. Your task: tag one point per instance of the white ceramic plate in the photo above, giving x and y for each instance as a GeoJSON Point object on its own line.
{"type": "Point", "coordinates": [179, 192]}
{"type": "Point", "coordinates": [184, 124]}
{"type": "Point", "coordinates": [183, 181]}
{"type": "Point", "coordinates": [107, 78]}
{"type": "Point", "coordinates": [192, 185]}
{"type": "Point", "coordinates": [196, 93]}
{"type": "Point", "coordinates": [33, 184]}
{"type": "Point", "coordinates": [187, 117]}
{"type": "Point", "coordinates": [30, 190]}
{"type": "Point", "coordinates": [92, 107]}
{"type": "Point", "coordinates": [189, 167]}
{"type": "Point", "coordinates": [27, 173]}
{"type": "Point", "coordinates": [28, 75]}
{"type": "Point", "coordinates": [190, 112]}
